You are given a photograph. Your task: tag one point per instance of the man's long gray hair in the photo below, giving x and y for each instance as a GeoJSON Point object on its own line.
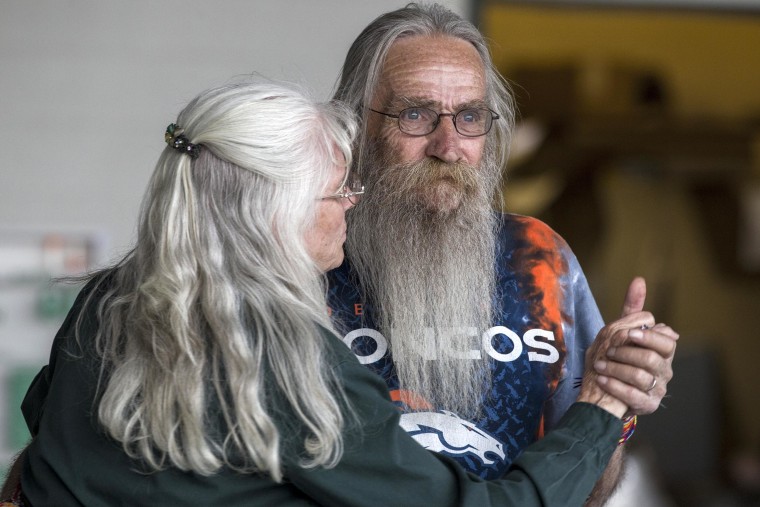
{"type": "Point", "coordinates": [219, 300]}
{"type": "Point", "coordinates": [429, 276]}
{"type": "Point", "coordinates": [364, 63]}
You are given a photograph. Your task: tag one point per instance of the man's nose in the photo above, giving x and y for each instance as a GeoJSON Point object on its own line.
{"type": "Point", "coordinates": [444, 142]}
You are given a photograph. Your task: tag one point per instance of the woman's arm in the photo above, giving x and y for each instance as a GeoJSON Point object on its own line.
{"type": "Point", "coordinates": [383, 465]}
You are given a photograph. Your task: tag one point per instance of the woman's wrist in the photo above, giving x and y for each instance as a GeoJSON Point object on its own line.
{"type": "Point", "coordinates": [592, 393]}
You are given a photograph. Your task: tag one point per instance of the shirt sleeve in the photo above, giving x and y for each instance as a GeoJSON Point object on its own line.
{"type": "Point", "coordinates": [580, 327]}
{"type": "Point", "coordinates": [383, 465]}
{"type": "Point", "coordinates": [33, 405]}
{"type": "Point", "coordinates": [34, 401]}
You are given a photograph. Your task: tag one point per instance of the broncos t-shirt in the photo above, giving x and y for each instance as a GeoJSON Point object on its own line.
{"type": "Point", "coordinates": [544, 320]}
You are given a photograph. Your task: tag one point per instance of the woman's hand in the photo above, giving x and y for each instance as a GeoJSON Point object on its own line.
{"type": "Point", "coordinates": [630, 362]}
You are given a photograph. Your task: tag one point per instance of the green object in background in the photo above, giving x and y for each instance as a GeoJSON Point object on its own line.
{"type": "Point", "coordinates": [18, 382]}
{"type": "Point", "coordinates": [54, 301]}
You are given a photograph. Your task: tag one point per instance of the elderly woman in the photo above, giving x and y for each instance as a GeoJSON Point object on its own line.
{"type": "Point", "coordinates": [202, 369]}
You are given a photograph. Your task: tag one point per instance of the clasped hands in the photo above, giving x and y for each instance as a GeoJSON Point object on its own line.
{"type": "Point", "coordinates": [629, 365]}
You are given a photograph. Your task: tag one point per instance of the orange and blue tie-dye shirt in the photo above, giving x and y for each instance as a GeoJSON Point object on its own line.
{"type": "Point", "coordinates": [544, 320]}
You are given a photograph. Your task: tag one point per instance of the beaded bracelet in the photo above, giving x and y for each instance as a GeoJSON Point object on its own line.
{"type": "Point", "coordinates": [629, 426]}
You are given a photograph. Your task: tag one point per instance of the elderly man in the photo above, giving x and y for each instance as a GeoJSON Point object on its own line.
{"type": "Point", "coordinates": [478, 321]}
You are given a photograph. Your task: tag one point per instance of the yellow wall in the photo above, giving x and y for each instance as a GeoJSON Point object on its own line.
{"type": "Point", "coordinates": [711, 66]}
{"type": "Point", "coordinates": [711, 62]}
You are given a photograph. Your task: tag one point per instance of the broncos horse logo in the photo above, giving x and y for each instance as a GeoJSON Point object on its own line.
{"type": "Point", "coordinates": [447, 433]}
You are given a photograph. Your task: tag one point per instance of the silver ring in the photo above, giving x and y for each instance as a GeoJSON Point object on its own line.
{"type": "Point", "coordinates": [654, 383]}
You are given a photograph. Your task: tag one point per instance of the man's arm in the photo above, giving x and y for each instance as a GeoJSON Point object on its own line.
{"type": "Point", "coordinates": [13, 478]}
{"type": "Point", "coordinates": [609, 481]}
{"type": "Point", "coordinates": [631, 360]}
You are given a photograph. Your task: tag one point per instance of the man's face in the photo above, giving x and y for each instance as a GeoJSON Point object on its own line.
{"type": "Point", "coordinates": [445, 74]}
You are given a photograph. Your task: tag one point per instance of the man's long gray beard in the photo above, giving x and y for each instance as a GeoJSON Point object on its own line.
{"type": "Point", "coordinates": [429, 275]}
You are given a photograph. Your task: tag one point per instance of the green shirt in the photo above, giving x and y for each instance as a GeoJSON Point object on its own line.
{"type": "Point", "coordinates": [71, 462]}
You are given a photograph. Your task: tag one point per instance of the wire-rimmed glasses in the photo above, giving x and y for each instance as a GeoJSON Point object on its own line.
{"type": "Point", "coordinates": [421, 121]}
{"type": "Point", "coordinates": [351, 190]}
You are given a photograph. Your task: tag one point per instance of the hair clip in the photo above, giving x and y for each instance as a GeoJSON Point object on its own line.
{"type": "Point", "coordinates": [175, 138]}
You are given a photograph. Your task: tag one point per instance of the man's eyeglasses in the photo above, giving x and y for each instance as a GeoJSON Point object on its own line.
{"type": "Point", "coordinates": [351, 190]}
{"type": "Point", "coordinates": [421, 121]}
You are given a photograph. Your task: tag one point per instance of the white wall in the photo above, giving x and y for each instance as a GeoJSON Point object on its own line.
{"type": "Point", "coordinates": [87, 89]}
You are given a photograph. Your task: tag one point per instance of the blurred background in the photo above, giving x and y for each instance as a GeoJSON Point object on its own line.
{"type": "Point", "coordinates": [638, 140]}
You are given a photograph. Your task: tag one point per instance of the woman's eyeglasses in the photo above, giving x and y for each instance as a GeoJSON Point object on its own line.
{"type": "Point", "coordinates": [351, 190]}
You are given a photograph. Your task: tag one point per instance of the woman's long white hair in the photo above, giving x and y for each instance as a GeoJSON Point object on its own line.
{"type": "Point", "coordinates": [219, 304]}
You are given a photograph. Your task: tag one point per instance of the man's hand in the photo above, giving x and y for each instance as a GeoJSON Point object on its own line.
{"type": "Point", "coordinates": [635, 363]}
{"type": "Point", "coordinates": [627, 370]}
{"type": "Point", "coordinates": [613, 336]}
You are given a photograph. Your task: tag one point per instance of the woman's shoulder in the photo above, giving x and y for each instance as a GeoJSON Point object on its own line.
{"type": "Point", "coordinates": [363, 388]}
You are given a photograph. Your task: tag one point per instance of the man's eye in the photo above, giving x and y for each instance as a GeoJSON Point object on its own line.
{"type": "Point", "coordinates": [469, 116]}
{"type": "Point", "coordinates": [412, 115]}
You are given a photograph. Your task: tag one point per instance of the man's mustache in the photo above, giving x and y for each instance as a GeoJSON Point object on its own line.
{"type": "Point", "coordinates": [415, 176]}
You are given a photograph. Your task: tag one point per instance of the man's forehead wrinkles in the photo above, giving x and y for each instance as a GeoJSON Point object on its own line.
{"type": "Point", "coordinates": [405, 101]}
{"type": "Point", "coordinates": [412, 101]}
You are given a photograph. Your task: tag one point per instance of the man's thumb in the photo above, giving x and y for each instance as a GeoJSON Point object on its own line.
{"type": "Point", "coordinates": [635, 297]}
